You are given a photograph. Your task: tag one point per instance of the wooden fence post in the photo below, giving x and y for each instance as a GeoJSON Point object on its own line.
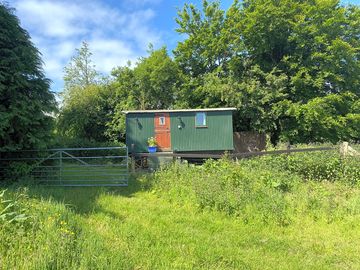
{"type": "Point", "coordinates": [344, 148]}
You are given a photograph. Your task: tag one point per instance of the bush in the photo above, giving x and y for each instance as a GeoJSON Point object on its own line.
{"type": "Point", "coordinates": [311, 166]}
{"type": "Point", "coordinates": [265, 189]}
{"type": "Point", "coordinates": [16, 171]}
{"type": "Point", "coordinates": [226, 186]}
{"type": "Point", "coordinates": [62, 142]}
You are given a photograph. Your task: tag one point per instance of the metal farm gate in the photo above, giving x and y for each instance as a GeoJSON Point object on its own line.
{"type": "Point", "coordinates": [102, 166]}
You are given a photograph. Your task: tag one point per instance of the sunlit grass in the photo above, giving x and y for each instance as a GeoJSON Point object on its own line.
{"type": "Point", "coordinates": [151, 226]}
{"type": "Point", "coordinates": [93, 228]}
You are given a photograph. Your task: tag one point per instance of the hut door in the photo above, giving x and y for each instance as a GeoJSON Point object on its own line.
{"type": "Point", "coordinates": [162, 131]}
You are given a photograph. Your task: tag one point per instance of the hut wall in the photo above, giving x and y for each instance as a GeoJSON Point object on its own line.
{"type": "Point", "coordinates": [218, 135]}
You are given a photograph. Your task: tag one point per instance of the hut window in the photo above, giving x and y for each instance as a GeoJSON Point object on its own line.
{"type": "Point", "coordinates": [200, 119]}
{"type": "Point", "coordinates": [162, 120]}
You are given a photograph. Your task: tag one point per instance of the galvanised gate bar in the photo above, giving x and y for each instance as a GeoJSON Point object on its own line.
{"type": "Point", "coordinates": [102, 166]}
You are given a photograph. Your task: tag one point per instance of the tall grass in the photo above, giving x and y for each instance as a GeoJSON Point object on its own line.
{"type": "Point", "coordinates": [262, 213]}
{"type": "Point", "coordinates": [276, 189]}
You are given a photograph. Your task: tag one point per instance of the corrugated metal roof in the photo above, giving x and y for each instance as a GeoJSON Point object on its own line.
{"type": "Point", "coordinates": [182, 110]}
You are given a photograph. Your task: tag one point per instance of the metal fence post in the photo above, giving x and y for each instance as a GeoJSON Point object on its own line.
{"type": "Point", "coordinates": [132, 158]}
{"type": "Point", "coordinates": [60, 164]}
{"type": "Point", "coordinates": [127, 163]}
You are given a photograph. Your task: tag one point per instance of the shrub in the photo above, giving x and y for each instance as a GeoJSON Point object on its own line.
{"type": "Point", "coordinates": [312, 166]}
{"type": "Point", "coordinates": [16, 170]}
{"type": "Point", "coordinates": [266, 189]}
{"type": "Point", "coordinates": [225, 186]}
{"type": "Point", "coordinates": [62, 142]}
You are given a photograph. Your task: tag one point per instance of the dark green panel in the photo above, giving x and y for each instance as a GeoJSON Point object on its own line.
{"type": "Point", "coordinates": [218, 135]}
{"type": "Point", "coordinates": [139, 127]}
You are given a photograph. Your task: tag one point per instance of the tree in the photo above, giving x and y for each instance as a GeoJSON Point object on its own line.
{"type": "Point", "coordinates": [124, 86]}
{"type": "Point", "coordinates": [212, 41]}
{"type": "Point", "coordinates": [331, 118]}
{"type": "Point", "coordinates": [157, 77]}
{"type": "Point", "coordinates": [315, 43]}
{"type": "Point", "coordinates": [86, 113]}
{"type": "Point", "coordinates": [270, 57]}
{"type": "Point", "coordinates": [80, 72]}
{"type": "Point", "coordinates": [151, 84]}
{"type": "Point", "coordinates": [26, 103]}
{"type": "Point", "coordinates": [212, 46]}
{"type": "Point", "coordinates": [86, 101]}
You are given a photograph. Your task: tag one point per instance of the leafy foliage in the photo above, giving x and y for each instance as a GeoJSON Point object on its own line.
{"type": "Point", "coordinates": [274, 61]}
{"type": "Point", "coordinates": [316, 166]}
{"type": "Point", "coordinates": [80, 72]}
{"type": "Point", "coordinates": [85, 113]}
{"type": "Point", "coordinates": [212, 39]}
{"type": "Point", "coordinates": [151, 141]}
{"type": "Point", "coordinates": [26, 103]}
{"type": "Point", "coordinates": [259, 189]}
{"type": "Point", "coordinates": [330, 118]}
{"type": "Point", "coordinates": [86, 104]}
{"type": "Point", "coordinates": [11, 210]}
{"type": "Point", "coordinates": [151, 84]}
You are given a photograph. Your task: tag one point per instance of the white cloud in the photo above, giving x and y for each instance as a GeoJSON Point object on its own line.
{"type": "Point", "coordinates": [54, 19]}
{"type": "Point", "coordinates": [106, 52]}
{"type": "Point", "coordinates": [140, 31]}
{"type": "Point", "coordinates": [114, 35]}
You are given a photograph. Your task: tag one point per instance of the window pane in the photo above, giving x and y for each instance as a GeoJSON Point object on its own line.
{"type": "Point", "coordinates": [200, 119]}
{"type": "Point", "coordinates": [161, 120]}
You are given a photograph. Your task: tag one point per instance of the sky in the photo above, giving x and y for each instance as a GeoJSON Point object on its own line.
{"type": "Point", "coordinates": [116, 30]}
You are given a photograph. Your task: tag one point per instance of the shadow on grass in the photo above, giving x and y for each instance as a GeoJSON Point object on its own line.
{"type": "Point", "coordinates": [82, 200]}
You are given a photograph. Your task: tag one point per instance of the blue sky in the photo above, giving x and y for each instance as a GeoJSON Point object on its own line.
{"type": "Point", "coordinates": [116, 30]}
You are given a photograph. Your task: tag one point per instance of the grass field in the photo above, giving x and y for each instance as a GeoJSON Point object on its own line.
{"type": "Point", "coordinates": [186, 217]}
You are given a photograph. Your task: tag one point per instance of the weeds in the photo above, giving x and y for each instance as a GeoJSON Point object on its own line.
{"type": "Point", "coordinates": [11, 210]}
{"type": "Point", "coordinates": [261, 213]}
{"type": "Point", "coordinates": [268, 189]}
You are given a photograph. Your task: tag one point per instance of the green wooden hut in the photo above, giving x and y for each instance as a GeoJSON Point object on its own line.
{"type": "Point", "coordinates": [190, 130]}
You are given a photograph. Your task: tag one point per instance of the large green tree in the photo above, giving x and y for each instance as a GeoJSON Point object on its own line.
{"type": "Point", "coordinates": [211, 42]}
{"type": "Point", "coordinates": [26, 103]}
{"type": "Point", "coordinates": [272, 59]}
{"type": "Point", "coordinates": [157, 78]}
{"type": "Point", "coordinates": [315, 43]}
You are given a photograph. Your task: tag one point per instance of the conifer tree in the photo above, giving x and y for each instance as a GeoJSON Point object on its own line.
{"type": "Point", "coordinates": [26, 102]}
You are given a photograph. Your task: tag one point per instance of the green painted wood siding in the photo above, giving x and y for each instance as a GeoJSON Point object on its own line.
{"type": "Point", "coordinates": [218, 135]}
{"type": "Point", "coordinates": [138, 131]}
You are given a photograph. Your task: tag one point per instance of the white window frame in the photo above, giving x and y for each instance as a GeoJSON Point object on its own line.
{"type": "Point", "coordinates": [204, 124]}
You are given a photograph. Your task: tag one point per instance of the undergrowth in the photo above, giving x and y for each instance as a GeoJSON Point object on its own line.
{"type": "Point", "coordinates": [298, 211]}
{"type": "Point", "coordinates": [272, 189]}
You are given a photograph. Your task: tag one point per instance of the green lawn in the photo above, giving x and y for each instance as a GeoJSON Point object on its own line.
{"type": "Point", "coordinates": [154, 225]}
